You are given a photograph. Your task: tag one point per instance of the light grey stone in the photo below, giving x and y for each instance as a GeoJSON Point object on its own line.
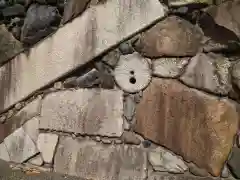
{"type": "Point", "coordinates": [225, 172]}
{"type": "Point", "coordinates": [112, 58]}
{"type": "Point", "coordinates": [162, 160]}
{"type": "Point", "coordinates": [92, 160]}
{"type": "Point", "coordinates": [169, 67]}
{"type": "Point", "coordinates": [4, 155]}
{"type": "Point", "coordinates": [129, 107]}
{"type": "Point", "coordinates": [37, 160]}
{"type": "Point", "coordinates": [46, 144]}
{"type": "Point", "coordinates": [74, 45]}
{"type": "Point", "coordinates": [133, 72]}
{"type": "Point", "coordinates": [129, 137]}
{"type": "Point", "coordinates": [20, 146]}
{"type": "Point", "coordinates": [209, 72]}
{"type": "Point", "coordinates": [31, 128]}
{"type": "Point", "coordinates": [84, 111]}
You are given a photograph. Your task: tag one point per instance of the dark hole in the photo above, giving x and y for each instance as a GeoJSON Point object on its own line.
{"type": "Point", "coordinates": [132, 72]}
{"type": "Point", "coordinates": [132, 80]}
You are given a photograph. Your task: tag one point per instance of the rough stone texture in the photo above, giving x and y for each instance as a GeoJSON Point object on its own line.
{"type": "Point", "coordinates": [171, 37]}
{"type": "Point", "coordinates": [197, 171]}
{"type": "Point", "coordinates": [46, 144]}
{"type": "Point", "coordinates": [31, 128]}
{"type": "Point", "coordinates": [227, 15]}
{"type": "Point", "coordinates": [92, 112]}
{"type": "Point", "coordinates": [201, 131]}
{"type": "Point", "coordinates": [86, 37]}
{"type": "Point", "coordinates": [29, 111]}
{"type": "Point", "coordinates": [4, 153]}
{"type": "Point", "coordinates": [90, 160]}
{"type": "Point", "coordinates": [160, 176]}
{"type": "Point", "coordinates": [234, 162]}
{"type": "Point", "coordinates": [129, 107]}
{"type": "Point", "coordinates": [20, 146]}
{"type": "Point", "coordinates": [169, 67]}
{"type": "Point", "coordinates": [225, 172]}
{"type": "Point", "coordinates": [9, 46]}
{"type": "Point", "coordinates": [236, 73]}
{"type": "Point", "coordinates": [37, 160]}
{"type": "Point", "coordinates": [186, 2]}
{"type": "Point", "coordinates": [129, 137]}
{"type": "Point", "coordinates": [73, 8]}
{"type": "Point", "coordinates": [162, 160]}
{"type": "Point", "coordinates": [209, 72]}
{"type": "Point", "coordinates": [112, 58]}
{"type": "Point", "coordinates": [132, 73]}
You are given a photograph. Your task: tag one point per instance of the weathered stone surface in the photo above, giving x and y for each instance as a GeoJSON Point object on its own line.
{"type": "Point", "coordinates": [20, 146]}
{"type": "Point", "coordinates": [169, 67]}
{"type": "Point", "coordinates": [129, 107]}
{"type": "Point", "coordinates": [201, 131]}
{"type": "Point", "coordinates": [31, 128]}
{"type": "Point", "coordinates": [46, 144]}
{"type": "Point", "coordinates": [197, 171]}
{"type": "Point", "coordinates": [164, 161]}
{"type": "Point", "coordinates": [15, 10]}
{"type": "Point", "coordinates": [186, 2]}
{"type": "Point", "coordinates": [132, 73]}
{"type": "Point", "coordinates": [4, 153]}
{"type": "Point", "coordinates": [28, 112]}
{"type": "Point", "coordinates": [90, 160]}
{"type": "Point", "coordinates": [112, 58]}
{"type": "Point", "coordinates": [73, 8]}
{"type": "Point", "coordinates": [38, 23]}
{"type": "Point", "coordinates": [171, 37]}
{"type": "Point", "coordinates": [129, 137]}
{"type": "Point", "coordinates": [92, 112]}
{"type": "Point", "coordinates": [209, 72]}
{"type": "Point", "coordinates": [227, 15]}
{"type": "Point", "coordinates": [236, 73]}
{"type": "Point", "coordinates": [86, 37]}
{"type": "Point", "coordinates": [9, 46]}
{"type": "Point", "coordinates": [234, 162]}
{"type": "Point", "coordinates": [160, 176]}
{"type": "Point", "coordinates": [37, 160]}
{"type": "Point", "coordinates": [225, 172]}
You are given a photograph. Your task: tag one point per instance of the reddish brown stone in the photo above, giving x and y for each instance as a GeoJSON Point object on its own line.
{"type": "Point", "coordinates": [197, 126]}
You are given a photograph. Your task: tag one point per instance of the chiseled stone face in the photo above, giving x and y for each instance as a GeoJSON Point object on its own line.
{"type": "Point", "coordinates": [84, 111]}
{"type": "Point", "coordinates": [91, 160]}
{"type": "Point", "coordinates": [195, 125]}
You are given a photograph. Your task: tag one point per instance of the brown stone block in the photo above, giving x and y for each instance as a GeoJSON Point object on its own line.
{"type": "Point", "coordinates": [197, 126]}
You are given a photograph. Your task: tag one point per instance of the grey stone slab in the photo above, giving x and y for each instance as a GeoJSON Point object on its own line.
{"type": "Point", "coordinates": [46, 144]}
{"type": "Point", "coordinates": [75, 44]}
{"type": "Point", "coordinates": [4, 153]}
{"type": "Point", "coordinates": [31, 128]}
{"type": "Point", "coordinates": [37, 160]}
{"type": "Point", "coordinates": [20, 146]}
{"type": "Point", "coordinates": [92, 160]}
{"type": "Point", "coordinates": [84, 111]}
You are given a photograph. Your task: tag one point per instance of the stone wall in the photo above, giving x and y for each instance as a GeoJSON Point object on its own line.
{"type": "Point", "coordinates": [163, 103]}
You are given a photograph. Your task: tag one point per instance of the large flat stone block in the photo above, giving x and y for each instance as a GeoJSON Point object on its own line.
{"type": "Point", "coordinates": [90, 160]}
{"type": "Point", "coordinates": [74, 45]}
{"type": "Point", "coordinates": [84, 111]}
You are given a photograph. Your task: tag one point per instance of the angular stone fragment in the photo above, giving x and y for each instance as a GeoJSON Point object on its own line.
{"type": "Point", "coordinates": [90, 160]}
{"type": "Point", "coordinates": [4, 153]}
{"type": "Point", "coordinates": [164, 161]}
{"type": "Point", "coordinates": [20, 146]}
{"type": "Point", "coordinates": [132, 73]}
{"type": "Point", "coordinates": [31, 128]}
{"type": "Point", "coordinates": [234, 162]}
{"type": "Point", "coordinates": [197, 126]}
{"type": "Point", "coordinates": [74, 45]}
{"type": "Point", "coordinates": [37, 160]}
{"type": "Point", "coordinates": [9, 45]}
{"type": "Point", "coordinates": [28, 112]}
{"type": "Point", "coordinates": [169, 67]}
{"type": "Point", "coordinates": [84, 111]}
{"type": "Point", "coordinates": [209, 72]}
{"type": "Point", "coordinates": [227, 15]}
{"type": "Point", "coordinates": [129, 107]}
{"type": "Point", "coordinates": [46, 144]}
{"type": "Point", "coordinates": [171, 37]}
{"type": "Point", "coordinates": [129, 137]}
{"type": "Point", "coordinates": [73, 8]}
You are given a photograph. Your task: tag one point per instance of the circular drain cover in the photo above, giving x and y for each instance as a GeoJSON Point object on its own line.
{"type": "Point", "coordinates": [132, 73]}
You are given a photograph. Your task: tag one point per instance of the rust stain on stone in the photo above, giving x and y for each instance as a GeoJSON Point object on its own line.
{"type": "Point", "coordinates": [197, 126]}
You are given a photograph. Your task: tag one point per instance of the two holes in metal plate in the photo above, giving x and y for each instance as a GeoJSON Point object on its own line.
{"type": "Point", "coordinates": [132, 79]}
